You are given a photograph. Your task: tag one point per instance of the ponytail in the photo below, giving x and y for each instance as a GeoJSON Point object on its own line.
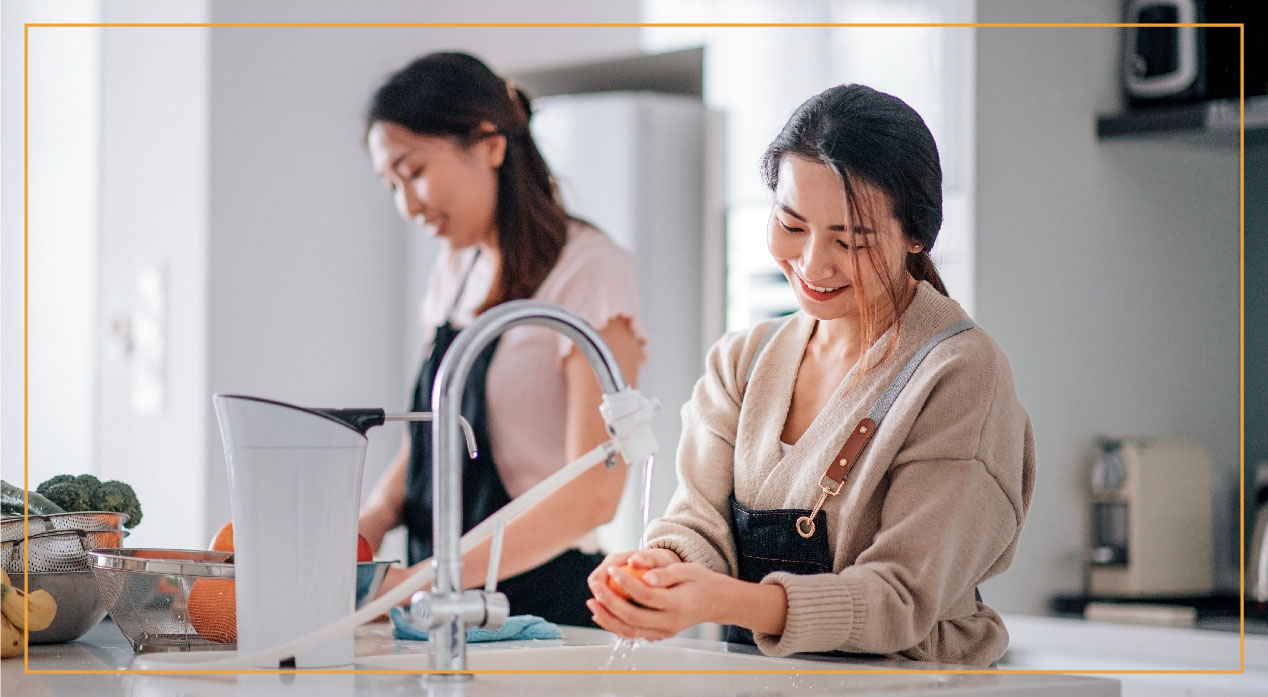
{"type": "Point", "coordinates": [920, 266]}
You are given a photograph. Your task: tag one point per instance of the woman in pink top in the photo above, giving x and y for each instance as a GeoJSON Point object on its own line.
{"type": "Point", "coordinates": [451, 141]}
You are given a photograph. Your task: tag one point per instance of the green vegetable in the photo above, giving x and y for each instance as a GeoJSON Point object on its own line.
{"type": "Point", "coordinates": [85, 492]}
{"type": "Point", "coordinates": [70, 492]}
{"type": "Point", "coordinates": [116, 496]}
{"type": "Point", "coordinates": [58, 479]}
{"type": "Point", "coordinates": [11, 501]}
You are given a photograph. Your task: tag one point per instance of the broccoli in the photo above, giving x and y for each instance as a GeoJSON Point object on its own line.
{"type": "Point", "coordinates": [117, 496]}
{"type": "Point", "coordinates": [72, 493]}
{"type": "Point", "coordinates": [59, 479]}
{"type": "Point", "coordinates": [85, 492]}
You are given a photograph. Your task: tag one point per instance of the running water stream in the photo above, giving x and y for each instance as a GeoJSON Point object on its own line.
{"type": "Point", "coordinates": [648, 465]}
{"type": "Point", "coordinates": [622, 657]}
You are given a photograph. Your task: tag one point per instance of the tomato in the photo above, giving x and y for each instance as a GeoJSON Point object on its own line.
{"type": "Point", "coordinates": [364, 553]}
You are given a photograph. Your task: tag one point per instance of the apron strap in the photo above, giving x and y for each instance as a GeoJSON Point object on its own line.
{"type": "Point", "coordinates": [833, 478]}
{"type": "Point", "coordinates": [881, 408]}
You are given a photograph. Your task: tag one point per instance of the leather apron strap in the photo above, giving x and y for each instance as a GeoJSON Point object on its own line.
{"type": "Point", "coordinates": [834, 476]}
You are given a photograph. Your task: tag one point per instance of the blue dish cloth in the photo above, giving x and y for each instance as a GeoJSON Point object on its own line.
{"type": "Point", "coordinates": [516, 627]}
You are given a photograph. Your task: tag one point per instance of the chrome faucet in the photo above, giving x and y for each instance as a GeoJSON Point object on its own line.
{"type": "Point", "coordinates": [447, 610]}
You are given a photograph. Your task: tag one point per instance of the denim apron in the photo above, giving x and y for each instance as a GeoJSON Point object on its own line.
{"type": "Point", "coordinates": [556, 590]}
{"type": "Point", "coordinates": [795, 540]}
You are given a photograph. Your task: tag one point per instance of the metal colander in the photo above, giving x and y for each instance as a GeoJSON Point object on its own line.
{"type": "Point", "coordinates": [57, 551]}
{"type": "Point", "coordinates": [169, 599]}
{"type": "Point", "coordinates": [12, 527]}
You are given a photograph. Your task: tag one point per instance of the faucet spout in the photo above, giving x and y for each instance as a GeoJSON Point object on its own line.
{"type": "Point", "coordinates": [449, 633]}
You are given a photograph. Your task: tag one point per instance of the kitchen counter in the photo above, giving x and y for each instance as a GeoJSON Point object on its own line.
{"type": "Point", "coordinates": [1051, 643]}
{"type": "Point", "coordinates": [105, 648]}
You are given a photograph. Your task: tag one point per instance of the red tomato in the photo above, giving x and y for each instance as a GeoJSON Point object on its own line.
{"type": "Point", "coordinates": [364, 553]}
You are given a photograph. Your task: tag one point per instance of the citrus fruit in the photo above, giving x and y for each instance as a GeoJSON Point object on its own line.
{"type": "Point", "coordinates": [212, 609]}
{"type": "Point", "coordinates": [636, 571]}
{"type": "Point", "coordinates": [223, 539]}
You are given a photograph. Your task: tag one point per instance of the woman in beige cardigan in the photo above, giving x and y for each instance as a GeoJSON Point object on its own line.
{"type": "Point", "coordinates": [848, 475]}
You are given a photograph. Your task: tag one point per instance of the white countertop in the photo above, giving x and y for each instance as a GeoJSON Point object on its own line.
{"type": "Point", "coordinates": [1049, 643]}
{"type": "Point", "coordinates": [104, 648]}
{"type": "Point", "coordinates": [1132, 645]}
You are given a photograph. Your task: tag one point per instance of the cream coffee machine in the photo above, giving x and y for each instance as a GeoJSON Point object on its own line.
{"type": "Point", "coordinates": [1151, 509]}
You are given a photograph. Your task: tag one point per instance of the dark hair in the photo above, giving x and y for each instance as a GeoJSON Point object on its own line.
{"type": "Point", "coordinates": [450, 95]}
{"type": "Point", "coordinates": [870, 137]}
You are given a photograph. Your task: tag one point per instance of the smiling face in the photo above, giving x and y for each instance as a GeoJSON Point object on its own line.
{"type": "Point", "coordinates": [448, 189]}
{"type": "Point", "coordinates": [834, 259]}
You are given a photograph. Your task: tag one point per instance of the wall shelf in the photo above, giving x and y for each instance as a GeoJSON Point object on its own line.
{"type": "Point", "coordinates": [1212, 122]}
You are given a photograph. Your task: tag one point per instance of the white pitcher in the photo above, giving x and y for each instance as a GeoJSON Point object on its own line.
{"type": "Point", "coordinates": [294, 493]}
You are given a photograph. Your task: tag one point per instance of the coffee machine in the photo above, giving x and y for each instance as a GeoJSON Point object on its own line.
{"type": "Point", "coordinates": [1150, 513]}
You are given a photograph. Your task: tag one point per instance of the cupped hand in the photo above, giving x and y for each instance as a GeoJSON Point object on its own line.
{"type": "Point", "coordinates": [669, 599]}
{"type": "Point", "coordinates": [642, 558]}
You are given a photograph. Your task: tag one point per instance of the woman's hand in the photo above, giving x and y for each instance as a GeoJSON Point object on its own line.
{"type": "Point", "coordinates": [642, 558]}
{"type": "Point", "coordinates": [673, 597]}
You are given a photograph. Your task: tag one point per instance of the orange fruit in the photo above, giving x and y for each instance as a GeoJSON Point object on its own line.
{"type": "Point", "coordinates": [212, 604]}
{"type": "Point", "coordinates": [636, 571]}
{"type": "Point", "coordinates": [223, 539]}
{"type": "Point", "coordinates": [212, 609]}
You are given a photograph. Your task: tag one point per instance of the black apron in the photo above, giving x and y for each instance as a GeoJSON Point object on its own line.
{"type": "Point", "coordinates": [556, 590]}
{"type": "Point", "coordinates": [767, 541]}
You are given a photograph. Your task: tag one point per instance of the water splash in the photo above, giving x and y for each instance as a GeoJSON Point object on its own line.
{"type": "Point", "coordinates": [622, 657]}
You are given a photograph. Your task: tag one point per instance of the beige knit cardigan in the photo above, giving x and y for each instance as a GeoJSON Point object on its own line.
{"type": "Point", "coordinates": [933, 508]}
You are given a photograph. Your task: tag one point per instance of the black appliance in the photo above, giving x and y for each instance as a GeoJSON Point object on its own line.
{"type": "Point", "coordinates": [1184, 64]}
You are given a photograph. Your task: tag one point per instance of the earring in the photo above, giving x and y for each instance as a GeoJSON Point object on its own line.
{"type": "Point", "coordinates": [915, 248]}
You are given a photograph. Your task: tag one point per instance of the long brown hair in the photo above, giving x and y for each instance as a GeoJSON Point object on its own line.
{"type": "Point", "coordinates": [450, 95]}
{"type": "Point", "coordinates": [873, 138]}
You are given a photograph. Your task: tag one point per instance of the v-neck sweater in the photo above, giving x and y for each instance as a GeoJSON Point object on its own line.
{"type": "Point", "coordinates": [933, 507]}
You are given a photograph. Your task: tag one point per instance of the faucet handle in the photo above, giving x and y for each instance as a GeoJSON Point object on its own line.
{"type": "Point", "coordinates": [473, 608]}
{"type": "Point", "coordinates": [497, 608]}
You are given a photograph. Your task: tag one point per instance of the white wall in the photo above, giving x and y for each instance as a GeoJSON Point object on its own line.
{"type": "Point", "coordinates": [64, 135]}
{"type": "Point", "coordinates": [154, 134]}
{"type": "Point", "coordinates": [1107, 271]}
{"type": "Point", "coordinates": [231, 159]}
{"type": "Point", "coordinates": [55, 221]}
{"type": "Point", "coordinates": [12, 246]}
{"type": "Point", "coordinates": [314, 281]}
